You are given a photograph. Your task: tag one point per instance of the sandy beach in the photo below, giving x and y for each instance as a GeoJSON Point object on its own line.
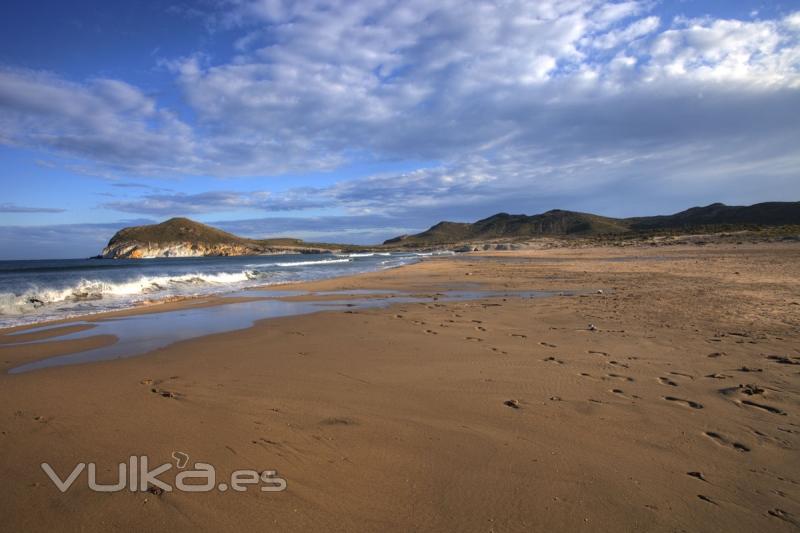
{"type": "Point", "coordinates": [657, 389]}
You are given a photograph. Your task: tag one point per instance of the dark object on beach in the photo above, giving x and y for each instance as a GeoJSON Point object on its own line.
{"type": "Point", "coordinates": [156, 491]}
{"type": "Point", "coordinates": [751, 389]}
{"type": "Point", "coordinates": [514, 404]}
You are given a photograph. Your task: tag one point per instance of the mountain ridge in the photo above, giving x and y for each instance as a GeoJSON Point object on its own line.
{"type": "Point", "coordinates": [562, 223]}
{"type": "Point", "coordinates": [183, 237]}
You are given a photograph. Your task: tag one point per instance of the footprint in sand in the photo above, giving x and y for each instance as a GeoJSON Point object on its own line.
{"type": "Point", "coordinates": [667, 381]}
{"type": "Point", "coordinates": [724, 441]}
{"type": "Point", "coordinates": [431, 332]}
{"type": "Point", "coordinates": [473, 339]}
{"type": "Point", "coordinates": [548, 345]}
{"type": "Point", "coordinates": [690, 403]}
{"type": "Point", "coordinates": [519, 335]}
{"type": "Point", "coordinates": [480, 328]}
{"type": "Point", "coordinates": [681, 374]}
{"type": "Point", "coordinates": [595, 352]}
{"type": "Point", "coordinates": [785, 516]}
{"type": "Point", "coordinates": [619, 376]}
{"type": "Point", "coordinates": [783, 360]}
{"type": "Point", "coordinates": [553, 360]}
{"type": "Point", "coordinates": [707, 499]}
{"type": "Point", "coordinates": [763, 406]}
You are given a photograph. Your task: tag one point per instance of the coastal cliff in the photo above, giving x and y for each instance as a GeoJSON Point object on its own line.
{"type": "Point", "coordinates": [181, 237]}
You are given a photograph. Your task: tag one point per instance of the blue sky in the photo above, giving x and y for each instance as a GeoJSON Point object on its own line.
{"type": "Point", "coordinates": [359, 120]}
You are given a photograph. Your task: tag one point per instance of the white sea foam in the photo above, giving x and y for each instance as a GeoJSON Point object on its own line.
{"type": "Point", "coordinates": [307, 263]}
{"type": "Point", "coordinates": [34, 297]}
{"type": "Point", "coordinates": [368, 254]}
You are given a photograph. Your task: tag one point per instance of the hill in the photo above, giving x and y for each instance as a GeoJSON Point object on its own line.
{"type": "Point", "coordinates": [763, 214]}
{"type": "Point", "coordinates": [560, 223]}
{"type": "Point", "coordinates": [182, 237]}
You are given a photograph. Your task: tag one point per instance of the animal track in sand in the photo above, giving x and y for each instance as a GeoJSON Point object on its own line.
{"type": "Point", "coordinates": [724, 441]}
{"type": "Point", "coordinates": [667, 381]}
{"type": "Point", "coordinates": [690, 403]}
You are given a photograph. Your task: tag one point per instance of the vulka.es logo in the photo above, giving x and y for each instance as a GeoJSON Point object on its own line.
{"type": "Point", "coordinates": [135, 475]}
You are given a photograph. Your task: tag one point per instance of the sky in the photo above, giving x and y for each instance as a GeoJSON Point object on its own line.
{"type": "Point", "coordinates": [359, 120]}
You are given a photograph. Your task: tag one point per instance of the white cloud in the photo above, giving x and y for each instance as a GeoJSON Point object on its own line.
{"type": "Point", "coordinates": [634, 31]}
{"type": "Point", "coordinates": [543, 96]}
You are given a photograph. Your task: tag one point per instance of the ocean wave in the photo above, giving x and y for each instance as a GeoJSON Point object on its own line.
{"type": "Point", "coordinates": [31, 297]}
{"type": "Point", "coordinates": [439, 252]}
{"type": "Point", "coordinates": [368, 254]}
{"type": "Point", "coordinates": [307, 263]}
{"type": "Point", "coordinates": [35, 297]}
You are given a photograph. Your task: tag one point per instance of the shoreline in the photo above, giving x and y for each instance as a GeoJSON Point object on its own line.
{"type": "Point", "coordinates": [398, 418]}
{"type": "Point", "coordinates": [171, 299]}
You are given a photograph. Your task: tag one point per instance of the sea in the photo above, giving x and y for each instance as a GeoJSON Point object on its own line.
{"type": "Point", "coordinates": [43, 290]}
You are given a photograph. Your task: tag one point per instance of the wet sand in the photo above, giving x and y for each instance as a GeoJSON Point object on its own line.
{"type": "Point", "coordinates": [677, 411]}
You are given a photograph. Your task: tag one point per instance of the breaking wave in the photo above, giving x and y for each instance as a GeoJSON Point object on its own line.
{"type": "Point", "coordinates": [87, 290]}
{"type": "Point", "coordinates": [38, 291]}
{"type": "Point", "coordinates": [308, 263]}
